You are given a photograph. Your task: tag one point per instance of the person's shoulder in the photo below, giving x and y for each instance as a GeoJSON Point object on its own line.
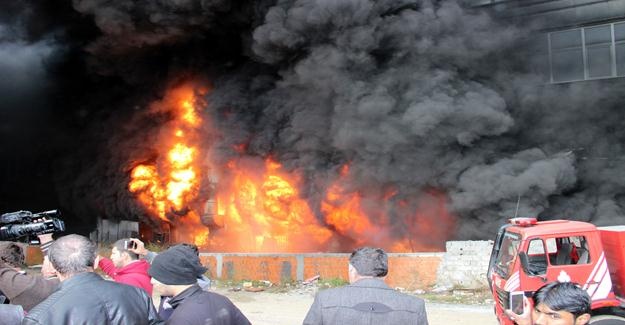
{"type": "Point", "coordinates": [203, 294]}
{"type": "Point", "coordinates": [408, 300]}
{"type": "Point", "coordinates": [111, 289]}
{"type": "Point", "coordinates": [333, 292]}
{"type": "Point", "coordinates": [138, 267]}
{"type": "Point", "coordinates": [116, 286]}
{"type": "Point", "coordinates": [50, 305]}
{"type": "Point", "coordinates": [203, 297]}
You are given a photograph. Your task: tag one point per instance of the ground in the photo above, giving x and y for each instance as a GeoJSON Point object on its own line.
{"type": "Point", "coordinates": [288, 308]}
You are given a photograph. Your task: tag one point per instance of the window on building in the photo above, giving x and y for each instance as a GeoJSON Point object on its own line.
{"type": "Point", "coordinates": [598, 51]}
{"type": "Point", "coordinates": [619, 40]}
{"type": "Point", "coordinates": [567, 58]}
{"type": "Point", "coordinates": [592, 52]}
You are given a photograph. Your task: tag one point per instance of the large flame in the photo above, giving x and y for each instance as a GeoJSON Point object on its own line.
{"type": "Point", "coordinates": [257, 205]}
{"type": "Point", "coordinates": [261, 210]}
{"type": "Point", "coordinates": [168, 185]}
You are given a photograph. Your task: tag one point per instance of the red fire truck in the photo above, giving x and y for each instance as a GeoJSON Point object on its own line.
{"type": "Point", "coordinates": [528, 254]}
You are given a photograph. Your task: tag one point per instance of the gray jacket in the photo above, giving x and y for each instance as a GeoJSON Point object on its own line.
{"type": "Point", "coordinates": [366, 302]}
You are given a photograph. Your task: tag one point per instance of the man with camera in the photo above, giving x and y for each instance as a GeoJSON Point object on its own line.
{"type": "Point", "coordinates": [125, 267]}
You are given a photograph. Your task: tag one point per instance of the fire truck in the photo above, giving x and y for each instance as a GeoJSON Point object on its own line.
{"type": "Point", "coordinates": [528, 254]}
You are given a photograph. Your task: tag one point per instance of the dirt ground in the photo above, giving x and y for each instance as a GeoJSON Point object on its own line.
{"type": "Point", "coordinates": [290, 308]}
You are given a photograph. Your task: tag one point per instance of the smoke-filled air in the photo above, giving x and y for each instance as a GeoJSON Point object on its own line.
{"type": "Point", "coordinates": [299, 125]}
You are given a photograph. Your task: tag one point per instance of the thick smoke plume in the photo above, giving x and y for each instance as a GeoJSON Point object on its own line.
{"type": "Point", "coordinates": [417, 97]}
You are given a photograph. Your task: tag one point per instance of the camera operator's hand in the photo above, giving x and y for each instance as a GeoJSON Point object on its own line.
{"type": "Point", "coordinates": [139, 247]}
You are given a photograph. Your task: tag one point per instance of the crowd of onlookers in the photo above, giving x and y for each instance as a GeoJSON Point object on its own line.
{"type": "Point", "coordinates": [69, 291]}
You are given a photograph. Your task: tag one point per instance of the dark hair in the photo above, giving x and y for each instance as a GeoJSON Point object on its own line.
{"type": "Point", "coordinates": [72, 254]}
{"type": "Point", "coordinates": [564, 296]}
{"type": "Point", "coordinates": [11, 254]}
{"type": "Point", "coordinates": [370, 261]}
{"type": "Point", "coordinates": [121, 249]}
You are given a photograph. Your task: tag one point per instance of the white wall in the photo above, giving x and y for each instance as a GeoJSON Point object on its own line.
{"type": "Point", "coordinates": [464, 265]}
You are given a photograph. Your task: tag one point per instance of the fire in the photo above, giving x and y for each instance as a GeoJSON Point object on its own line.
{"type": "Point", "coordinates": [167, 186]}
{"type": "Point", "coordinates": [260, 208]}
{"type": "Point", "coordinates": [256, 204]}
{"type": "Point", "coordinates": [421, 223]}
{"type": "Point", "coordinates": [262, 211]}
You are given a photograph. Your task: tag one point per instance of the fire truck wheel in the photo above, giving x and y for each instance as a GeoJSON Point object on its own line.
{"type": "Point", "coordinates": [607, 320]}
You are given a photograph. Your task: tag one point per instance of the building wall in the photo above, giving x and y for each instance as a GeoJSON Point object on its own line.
{"type": "Point", "coordinates": [109, 231]}
{"type": "Point", "coordinates": [462, 266]}
{"type": "Point", "coordinates": [465, 264]}
{"type": "Point", "coordinates": [556, 14]}
{"type": "Point", "coordinates": [573, 40]}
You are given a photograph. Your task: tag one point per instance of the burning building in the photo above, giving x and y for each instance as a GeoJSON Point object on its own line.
{"type": "Point", "coordinates": [254, 204]}
{"type": "Point", "coordinates": [312, 125]}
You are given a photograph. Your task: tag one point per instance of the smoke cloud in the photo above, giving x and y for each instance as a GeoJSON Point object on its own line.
{"type": "Point", "coordinates": [417, 96]}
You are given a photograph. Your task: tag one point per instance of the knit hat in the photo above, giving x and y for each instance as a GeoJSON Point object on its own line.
{"type": "Point", "coordinates": [178, 265]}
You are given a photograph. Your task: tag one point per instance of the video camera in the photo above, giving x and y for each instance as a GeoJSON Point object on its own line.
{"type": "Point", "coordinates": [14, 225]}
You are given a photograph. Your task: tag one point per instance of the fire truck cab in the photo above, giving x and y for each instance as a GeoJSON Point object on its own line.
{"type": "Point", "coordinates": [527, 254]}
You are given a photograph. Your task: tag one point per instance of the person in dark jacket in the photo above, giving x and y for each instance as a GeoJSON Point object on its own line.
{"type": "Point", "coordinates": [367, 300]}
{"type": "Point", "coordinates": [84, 297]}
{"type": "Point", "coordinates": [174, 273]}
{"type": "Point", "coordinates": [164, 308]}
{"type": "Point", "coordinates": [125, 267]}
{"type": "Point", "coordinates": [18, 287]}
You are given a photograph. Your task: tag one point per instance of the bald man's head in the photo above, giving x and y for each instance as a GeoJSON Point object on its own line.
{"type": "Point", "coordinates": [72, 254]}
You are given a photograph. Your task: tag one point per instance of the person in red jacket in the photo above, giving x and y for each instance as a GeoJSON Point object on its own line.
{"type": "Point", "coordinates": [125, 266]}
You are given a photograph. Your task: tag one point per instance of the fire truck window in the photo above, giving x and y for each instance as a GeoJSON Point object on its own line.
{"type": "Point", "coordinates": [580, 254]}
{"type": "Point", "coordinates": [507, 254]}
{"type": "Point", "coordinates": [568, 250]}
{"type": "Point", "coordinates": [537, 260]}
{"type": "Point", "coordinates": [552, 248]}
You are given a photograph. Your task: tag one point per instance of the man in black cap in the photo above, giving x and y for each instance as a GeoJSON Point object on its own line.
{"type": "Point", "coordinates": [174, 273]}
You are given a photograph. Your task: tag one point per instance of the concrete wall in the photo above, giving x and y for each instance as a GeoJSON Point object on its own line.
{"type": "Point", "coordinates": [462, 266]}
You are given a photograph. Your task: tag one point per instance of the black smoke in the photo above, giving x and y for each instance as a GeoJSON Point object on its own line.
{"type": "Point", "coordinates": [417, 96]}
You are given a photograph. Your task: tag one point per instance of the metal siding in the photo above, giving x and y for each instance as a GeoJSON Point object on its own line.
{"type": "Point", "coordinates": [557, 13]}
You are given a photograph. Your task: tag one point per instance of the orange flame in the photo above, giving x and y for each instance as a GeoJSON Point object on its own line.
{"type": "Point", "coordinates": [258, 206]}
{"type": "Point", "coordinates": [168, 185]}
{"type": "Point", "coordinates": [262, 211]}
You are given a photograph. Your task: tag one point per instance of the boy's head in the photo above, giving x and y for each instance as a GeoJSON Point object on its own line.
{"type": "Point", "coordinates": [561, 303]}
